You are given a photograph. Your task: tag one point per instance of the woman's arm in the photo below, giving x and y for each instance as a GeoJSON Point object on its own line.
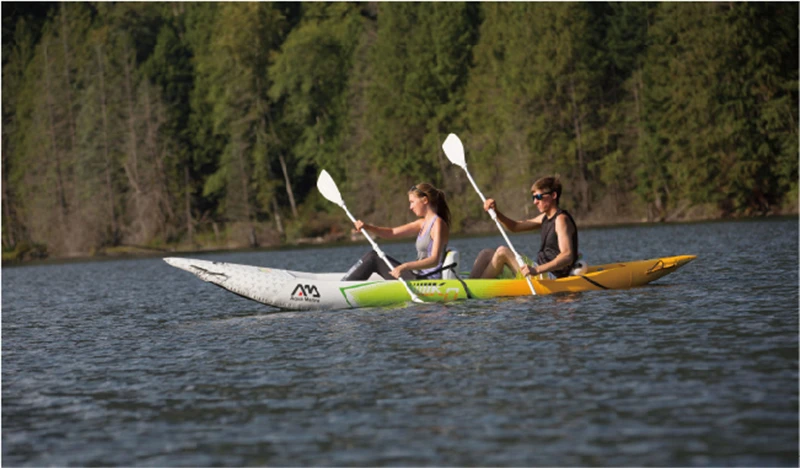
{"type": "Point", "coordinates": [440, 234]}
{"type": "Point", "coordinates": [390, 232]}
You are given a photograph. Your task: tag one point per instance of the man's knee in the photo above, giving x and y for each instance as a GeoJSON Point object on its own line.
{"type": "Point", "coordinates": [486, 253]}
{"type": "Point", "coordinates": [503, 252]}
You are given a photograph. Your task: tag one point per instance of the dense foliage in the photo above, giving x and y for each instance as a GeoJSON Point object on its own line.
{"type": "Point", "coordinates": [207, 123]}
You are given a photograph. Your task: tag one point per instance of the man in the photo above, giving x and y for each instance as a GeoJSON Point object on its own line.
{"type": "Point", "coordinates": [559, 248]}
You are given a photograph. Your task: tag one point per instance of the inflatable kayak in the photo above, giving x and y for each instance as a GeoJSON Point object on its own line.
{"type": "Point", "coordinates": [313, 291]}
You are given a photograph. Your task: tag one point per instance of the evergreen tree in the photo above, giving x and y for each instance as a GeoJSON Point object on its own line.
{"type": "Point", "coordinates": [169, 67]}
{"type": "Point", "coordinates": [623, 132]}
{"type": "Point", "coordinates": [310, 74]}
{"type": "Point", "coordinates": [18, 51]}
{"type": "Point", "coordinates": [145, 123]}
{"type": "Point", "coordinates": [206, 145]}
{"type": "Point", "coordinates": [46, 110]}
{"type": "Point", "coordinates": [421, 59]}
{"type": "Point", "coordinates": [713, 73]}
{"type": "Point", "coordinates": [538, 65]}
{"type": "Point", "coordinates": [236, 73]}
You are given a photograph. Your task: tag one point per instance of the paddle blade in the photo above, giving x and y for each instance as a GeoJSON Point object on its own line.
{"type": "Point", "coordinates": [327, 187]}
{"type": "Point", "coordinates": [454, 150]}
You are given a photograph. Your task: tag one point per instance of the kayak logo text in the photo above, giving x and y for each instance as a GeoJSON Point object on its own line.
{"type": "Point", "coordinates": [433, 290]}
{"type": "Point", "coordinates": [304, 292]}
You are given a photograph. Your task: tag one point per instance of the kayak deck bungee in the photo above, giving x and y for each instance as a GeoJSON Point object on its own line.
{"type": "Point", "coordinates": [298, 290]}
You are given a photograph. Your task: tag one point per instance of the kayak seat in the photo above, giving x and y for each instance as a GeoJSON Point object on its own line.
{"type": "Point", "coordinates": [449, 264]}
{"type": "Point", "coordinates": [448, 268]}
{"type": "Point", "coordinates": [579, 268]}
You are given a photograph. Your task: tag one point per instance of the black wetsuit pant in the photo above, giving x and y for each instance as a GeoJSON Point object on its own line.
{"type": "Point", "coordinates": [371, 263]}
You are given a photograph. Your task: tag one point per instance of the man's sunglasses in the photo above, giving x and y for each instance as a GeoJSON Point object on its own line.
{"type": "Point", "coordinates": [539, 196]}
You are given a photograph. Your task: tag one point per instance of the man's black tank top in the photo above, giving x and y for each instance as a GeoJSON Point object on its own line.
{"type": "Point", "coordinates": [549, 248]}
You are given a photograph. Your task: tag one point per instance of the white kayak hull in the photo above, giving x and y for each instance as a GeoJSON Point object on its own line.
{"type": "Point", "coordinates": [285, 289]}
{"type": "Point", "coordinates": [299, 290]}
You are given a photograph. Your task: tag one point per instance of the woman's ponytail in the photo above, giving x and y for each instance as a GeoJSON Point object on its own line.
{"type": "Point", "coordinates": [436, 198]}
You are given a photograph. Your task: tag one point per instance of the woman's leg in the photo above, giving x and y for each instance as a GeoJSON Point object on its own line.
{"type": "Point", "coordinates": [383, 269]}
{"type": "Point", "coordinates": [363, 268]}
{"type": "Point", "coordinates": [371, 263]}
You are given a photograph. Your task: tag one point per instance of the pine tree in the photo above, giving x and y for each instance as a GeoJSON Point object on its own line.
{"type": "Point", "coordinates": [538, 67]}
{"type": "Point", "coordinates": [421, 59]}
{"type": "Point", "coordinates": [310, 74]}
{"type": "Point", "coordinates": [236, 77]}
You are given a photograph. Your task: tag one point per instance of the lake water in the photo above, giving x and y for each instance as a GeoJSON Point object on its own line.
{"type": "Point", "coordinates": [133, 362]}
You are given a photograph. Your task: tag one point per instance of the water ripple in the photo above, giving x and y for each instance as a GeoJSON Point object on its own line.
{"type": "Point", "coordinates": [135, 363]}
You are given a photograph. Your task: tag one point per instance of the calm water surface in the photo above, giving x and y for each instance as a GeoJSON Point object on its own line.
{"type": "Point", "coordinates": [137, 363]}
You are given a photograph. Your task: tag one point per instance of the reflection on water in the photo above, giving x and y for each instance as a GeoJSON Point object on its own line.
{"type": "Point", "coordinates": [567, 298]}
{"type": "Point", "coordinates": [136, 363]}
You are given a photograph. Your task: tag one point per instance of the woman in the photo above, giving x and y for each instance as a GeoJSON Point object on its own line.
{"type": "Point", "coordinates": [558, 250]}
{"type": "Point", "coordinates": [433, 227]}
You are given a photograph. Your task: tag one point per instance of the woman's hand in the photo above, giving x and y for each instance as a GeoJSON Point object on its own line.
{"type": "Point", "coordinates": [489, 204]}
{"type": "Point", "coordinates": [359, 225]}
{"type": "Point", "coordinates": [398, 270]}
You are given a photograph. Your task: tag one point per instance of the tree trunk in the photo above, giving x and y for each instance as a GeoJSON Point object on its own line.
{"type": "Point", "coordinates": [67, 74]}
{"type": "Point", "coordinates": [577, 123]}
{"type": "Point", "coordinates": [62, 198]}
{"type": "Point", "coordinates": [277, 214]}
{"type": "Point", "coordinates": [160, 183]}
{"type": "Point", "coordinates": [244, 180]}
{"type": "Point", "coordinates": [131, 165]}
{"type": "Point", "coordinates": [288, 184]}
{"type": "Point", "coordinates": [284, 169]}
{"type": "Point", "coordinates": [188, 203]}
{"type": "Point", "coordinates": [112, 211]}
{"type": "Point", "coordinates": [9, 225]}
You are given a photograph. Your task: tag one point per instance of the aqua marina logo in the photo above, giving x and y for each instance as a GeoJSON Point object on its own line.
{"type": "Point", "coordinates": [305, 292]}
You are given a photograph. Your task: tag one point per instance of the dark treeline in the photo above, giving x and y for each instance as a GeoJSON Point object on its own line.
{"type": "Point", "coordinates": [207, 123]}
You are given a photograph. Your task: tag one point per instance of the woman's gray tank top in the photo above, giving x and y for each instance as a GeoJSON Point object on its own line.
{"type": "Point", "coordinates": [425, 247]}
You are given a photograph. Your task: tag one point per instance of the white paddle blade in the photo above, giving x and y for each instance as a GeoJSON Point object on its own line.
{"type": "Point", "coordinates": [327, 187]}
{"type": "Point", "coordinates": [454, 150]}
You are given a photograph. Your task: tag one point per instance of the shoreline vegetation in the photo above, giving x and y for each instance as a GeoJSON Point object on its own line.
{"type": "Point", "coordinates": [132, 128]}
{"type": "Point", "coordinates": [334, 237]}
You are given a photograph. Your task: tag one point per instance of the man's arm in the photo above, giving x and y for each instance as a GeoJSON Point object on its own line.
{"type": "Point", "coordinates": [510, 224]}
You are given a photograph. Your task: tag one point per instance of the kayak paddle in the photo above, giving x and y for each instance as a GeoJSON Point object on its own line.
{"type": "Point", "coordinates": [327, 187]}
{"type": "Point", "coordinates": [454, 150]}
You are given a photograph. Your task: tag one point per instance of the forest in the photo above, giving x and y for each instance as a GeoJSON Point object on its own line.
{"type": "Point", "coordinates": [189, 126]}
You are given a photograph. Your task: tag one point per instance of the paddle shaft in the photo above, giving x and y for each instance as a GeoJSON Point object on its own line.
{"type": "Point", "coordinates": [380, 253]}
{"type": "Point", "coordinates": [492, 213]}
